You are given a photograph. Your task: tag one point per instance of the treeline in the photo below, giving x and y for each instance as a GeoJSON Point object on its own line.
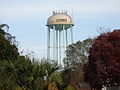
{"type": "Point", "coordinates": [89, 65]}
{"type": "Point", "coordinates": [18, 72]}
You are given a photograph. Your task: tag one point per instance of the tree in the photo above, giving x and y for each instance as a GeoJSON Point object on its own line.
{"type": "Point", "coordinates": [77, 53]}
{"type": "Point", "coordinates": [103, 67]}
{"type": "Point", "coordinates": [52, 76]}
{"type": "Point", "coordinates": [76, 57]}
{"type": "Point", "coordinates": [21, 72]}
{"type": "Point", "coordinates": [8, 45]}
{"type": "Point", "coordinates": [8, 55]}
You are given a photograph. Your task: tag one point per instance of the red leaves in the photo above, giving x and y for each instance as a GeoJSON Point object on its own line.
{"type": "Point", "coordinates": [104, 60]}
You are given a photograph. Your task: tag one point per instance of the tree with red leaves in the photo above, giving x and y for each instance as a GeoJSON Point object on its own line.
{"type": "Point", "coordinates": [103, 67]}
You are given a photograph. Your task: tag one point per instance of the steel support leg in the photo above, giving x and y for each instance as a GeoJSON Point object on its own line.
{"type": "Point", "coordinates": [57, 46]}
{"type": "Point", "coordinates": [48, 44]}
{"type": "Point", "coordinates": [60, 47]}
{"type": "Point", "coordinates": [71, 34]}
{"type": "Point", "coordinates": [66, 38]}
{"type": "Point", "coordinates": [54, 42]}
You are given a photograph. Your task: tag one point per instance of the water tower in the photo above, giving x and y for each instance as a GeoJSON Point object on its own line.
{"type": "Point", "coordinates": [59, 35]}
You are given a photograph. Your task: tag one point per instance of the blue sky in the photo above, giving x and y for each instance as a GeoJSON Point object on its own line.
{"type": "Point", "coordinates": [27, 19]}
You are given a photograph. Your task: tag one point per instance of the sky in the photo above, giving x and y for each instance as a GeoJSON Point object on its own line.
{"type": "Point", "coordinates": [27, 20]}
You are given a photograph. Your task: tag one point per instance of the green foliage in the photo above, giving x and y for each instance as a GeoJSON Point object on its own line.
{"type": "Point", "coordinates": [77, 53]}
{"type": "Point", "coordinates": [76, 57]}
{"type": "Point", "coordinates": [8, 48]}
{"type": "Point", "coordinates": [53, 77]}
{"type": "Point", "coordinates": [21, 72]}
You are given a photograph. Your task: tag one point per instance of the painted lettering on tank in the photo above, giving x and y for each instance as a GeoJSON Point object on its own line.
{"type": "Point", "coordinates": [61, 20]}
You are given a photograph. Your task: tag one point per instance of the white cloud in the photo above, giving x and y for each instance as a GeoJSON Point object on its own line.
{"type": "Point", "coordinates": [37, 9]}
{"type": "Point", "coordinates": [44, 47]}
{"type": "Point", "coordinates": [34, 51]}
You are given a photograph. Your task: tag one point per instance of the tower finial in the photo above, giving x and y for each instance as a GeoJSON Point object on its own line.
{"type": "Point", "coordinates": [53, 12]}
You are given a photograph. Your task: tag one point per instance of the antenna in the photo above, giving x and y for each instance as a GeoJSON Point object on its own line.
{"type": "Point", "coordinates": [72, 13]}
